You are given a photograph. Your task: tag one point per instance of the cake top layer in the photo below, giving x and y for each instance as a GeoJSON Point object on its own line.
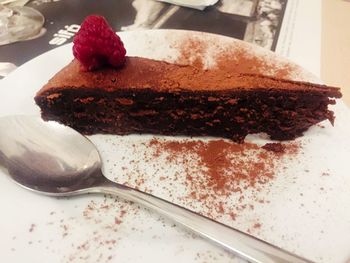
{"type": "Point", "coordinates": [143, 73]}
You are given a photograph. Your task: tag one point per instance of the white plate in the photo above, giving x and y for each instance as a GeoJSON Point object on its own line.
{"type": "Point", "coordinates": [306, 206]}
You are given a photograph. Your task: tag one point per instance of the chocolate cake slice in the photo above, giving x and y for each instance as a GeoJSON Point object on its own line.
{"type": "Point", "coordinates": [149, 96]}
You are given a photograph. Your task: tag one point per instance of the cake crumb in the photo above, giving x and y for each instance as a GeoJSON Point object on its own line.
{"type": "Point", "coordinates": [275, 147]}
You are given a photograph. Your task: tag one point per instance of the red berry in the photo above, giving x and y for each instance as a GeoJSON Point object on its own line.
{"type": "Point", "coordinates": [96, 44]}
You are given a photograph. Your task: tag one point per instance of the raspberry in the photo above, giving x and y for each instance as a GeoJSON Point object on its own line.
{"type": "Point", "coordinates": [96, 44]}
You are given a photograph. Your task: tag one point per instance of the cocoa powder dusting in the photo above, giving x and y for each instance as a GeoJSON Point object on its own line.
{"type": "Point", "coordinates": [222, 168]}
{"type": "Point", "coordinates": [191, 51]}
{"type": "Point", "coordinates": [229, 57]}
{"type": "Point", "coordinates": [257, 225]}
{"type": "Point", "coordinates": [100, 241]}
{"type": "Point", "coordinates": [223, 161]}
{"type": "Point", "coordinates": [103, 219]}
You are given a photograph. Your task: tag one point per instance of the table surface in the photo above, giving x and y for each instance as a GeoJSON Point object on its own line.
{"type": "Point", "coordinates": [335, 51]}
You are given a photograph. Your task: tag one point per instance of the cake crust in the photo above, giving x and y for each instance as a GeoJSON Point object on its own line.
{"type": "Point", "coordinates": [143, 73]}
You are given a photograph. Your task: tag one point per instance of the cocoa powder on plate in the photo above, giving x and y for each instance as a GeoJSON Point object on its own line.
{"type": "Point", "coordinates": [215, 169]}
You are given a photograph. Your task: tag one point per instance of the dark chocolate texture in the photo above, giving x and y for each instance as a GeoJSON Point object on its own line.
{"type": "Point", "coordinates": [148, 96]}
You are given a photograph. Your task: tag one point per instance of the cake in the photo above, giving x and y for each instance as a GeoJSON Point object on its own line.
{"type": "Point", "coordinates": [148, 96]}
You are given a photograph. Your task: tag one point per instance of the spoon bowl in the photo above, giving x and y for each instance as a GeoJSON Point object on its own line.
{"type": "Point", "coordinates": [47, 156]}
{"type": "Point", "coordinates": [52, 159]}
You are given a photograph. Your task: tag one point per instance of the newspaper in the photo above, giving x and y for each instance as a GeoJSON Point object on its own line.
{"type": "Point", "coordinates": [300, 34]}
{"type": "Point", "coordinates": [289, 27]}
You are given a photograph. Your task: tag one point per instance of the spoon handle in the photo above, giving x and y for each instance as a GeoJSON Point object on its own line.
{"type": "Point", "coordinates": [243, 245]}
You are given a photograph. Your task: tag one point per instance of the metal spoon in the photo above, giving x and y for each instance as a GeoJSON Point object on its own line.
{"type": "Point", "coordinates": [52, 159]}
